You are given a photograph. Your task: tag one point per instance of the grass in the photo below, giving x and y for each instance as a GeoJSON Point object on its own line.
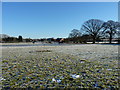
{"type": "Point", "coordinates": [36, 67]}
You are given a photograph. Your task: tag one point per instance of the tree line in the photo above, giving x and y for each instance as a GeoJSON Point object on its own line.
{"type": "Point", "coordinates": [96, 30]}
{"type": "Point", "coordinates": [91, 30]}
{"type": "Point", "coordinates": [12, 39]}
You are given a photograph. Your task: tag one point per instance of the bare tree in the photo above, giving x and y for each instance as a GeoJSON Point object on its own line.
{"type": "Point", "coordinates": [74, 33]}
{"type": "Point", "coordinates": [118, 32]}
{"type": "Point", "coordinates": [94, 28]}
{"type": "Point", "coordinates": [112, 28]}
{"type": "Point", "coordinates": [20, 39]}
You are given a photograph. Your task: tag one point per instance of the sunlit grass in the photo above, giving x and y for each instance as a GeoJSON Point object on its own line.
{"type": "Point", "coordinates": [45, 67]}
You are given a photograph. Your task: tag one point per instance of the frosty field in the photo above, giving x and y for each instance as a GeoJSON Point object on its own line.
{"type": "Point", "coordinates": [61, 66]}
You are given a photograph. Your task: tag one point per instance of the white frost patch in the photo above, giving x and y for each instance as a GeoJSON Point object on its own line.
{"type": "Point", "coordinates": [2, 79]}
{"type": "Point", "coordinates": [109, 69]}
{"type": "Point", "coordinates": [82, 62]}
{"type": "Point", "coordinates": [75, 76]}
{"type": "Point", "coordinates": [56, 80]}
{"type": "Point", "coordinates": [53, 80]}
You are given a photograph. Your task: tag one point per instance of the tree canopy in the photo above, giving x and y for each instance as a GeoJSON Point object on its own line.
{"type": "Point", "coordinates": [93, 27]}
{"type": "Point", "coordinates": [111, 28]}
{"type": "Point", "coordinates": [74, 33]}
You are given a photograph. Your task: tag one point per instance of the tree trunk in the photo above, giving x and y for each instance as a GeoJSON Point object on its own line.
{"type": "Point", "coordinates": [118, 40]}
{"type": "Point", "coordinates": [94, 39]}
{"type": "Point", "coordinates": [110, 39]}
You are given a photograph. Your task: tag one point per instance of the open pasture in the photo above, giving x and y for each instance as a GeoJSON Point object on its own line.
{"type": "Point", "coordinates": [69, 66]}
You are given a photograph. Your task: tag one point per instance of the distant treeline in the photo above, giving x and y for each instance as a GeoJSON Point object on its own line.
{"type": "Point", "coordinates": [93, 30]}
{"type": "Point", "coordinates": [12, 39]}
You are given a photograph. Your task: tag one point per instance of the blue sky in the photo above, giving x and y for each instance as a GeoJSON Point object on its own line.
{"type": "Point", "coordinates": [52, 19]}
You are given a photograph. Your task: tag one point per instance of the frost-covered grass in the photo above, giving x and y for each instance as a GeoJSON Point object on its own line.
{"type": "Point", "coordinates": [77, 66]}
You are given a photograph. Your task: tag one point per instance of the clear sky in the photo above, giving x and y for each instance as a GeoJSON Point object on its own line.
{"type": "Point", "coordinates": [52, 19]}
